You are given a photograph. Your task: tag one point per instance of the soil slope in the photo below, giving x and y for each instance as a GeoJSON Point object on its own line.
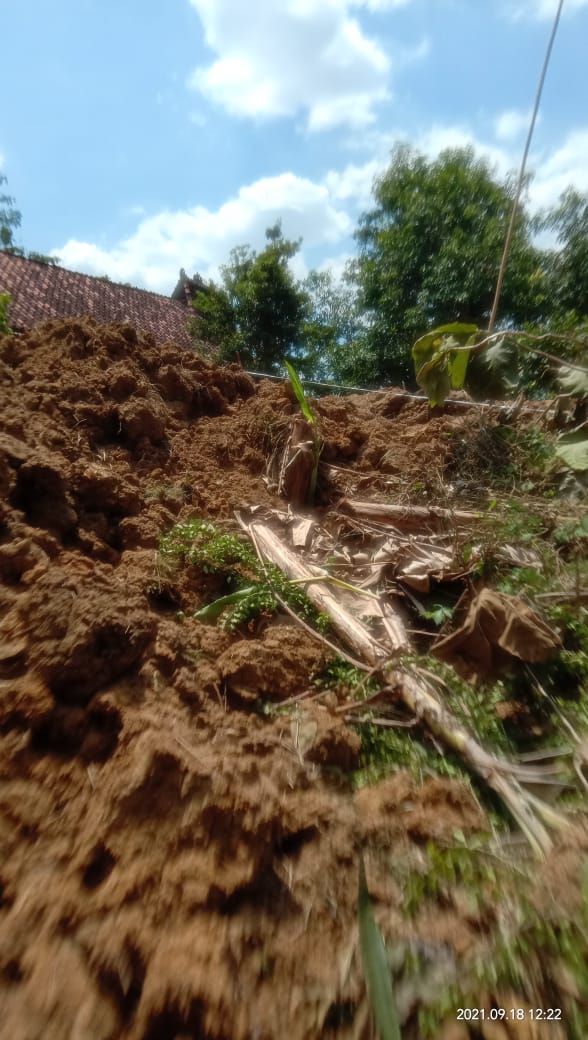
{"type": "Point", "coordinates": [175, 863]}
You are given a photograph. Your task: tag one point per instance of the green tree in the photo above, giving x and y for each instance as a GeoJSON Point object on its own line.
{"type": "Point", "coordinates": [10, 218]}
{"type": "Point", "coordinates": [430, 250]}
{"type": "Point", "coordinates": [258, 312]}
{"type": "Point", "coordinates": [4, 305]}
{"type": "Point", "coordinates": [333, 331]}
{"type": "Point", "coordinates": [568, 265]}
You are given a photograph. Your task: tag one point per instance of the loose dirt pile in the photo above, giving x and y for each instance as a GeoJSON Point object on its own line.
{"type": "Point", "coordinates": [174, 862]}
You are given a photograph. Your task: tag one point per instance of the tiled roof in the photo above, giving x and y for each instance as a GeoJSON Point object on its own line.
{"type": "Point", "coordinates": [40, 291]}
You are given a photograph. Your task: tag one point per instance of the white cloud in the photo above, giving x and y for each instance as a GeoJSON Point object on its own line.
{"type": "Point", "coordinates": [323, 213]}
{"type": "Point", "coordinates": [353, 184]}
{"type": "Point", "coordinates": [282, 58]}
{"type": "Point", "coordinates": [379, 5]}
{"type": "Point", "coordinates": [201, 239]}
{"type": "Point", "coordinates": [439, 137]}
{"type": "Point", "coordinates": [510, 124]}
{"type": "Point", "coordinates": [567, 165]}
{"type": "Point", "coordinates": [552, 172]}
{"type": "Point", "coordinates": [336, 265]}
{"type": "Point", "coordinates": [540, 8]}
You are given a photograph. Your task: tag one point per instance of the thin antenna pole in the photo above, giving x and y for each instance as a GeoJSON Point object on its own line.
{"type": "Point", "coordinates": [521, 180]}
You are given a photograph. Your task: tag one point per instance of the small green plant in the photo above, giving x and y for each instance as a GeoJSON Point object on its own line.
{"type": "Point", "coordinates": [4, 305]}
{"type": "Point", "coordinates": [439, 366]}
{"type": "Point", "coordinates": [537, 953]}
{"type": "Point", "coordinates": [308, 414]}
{"type": "Point", "coordinates": [166, 492]}
{"type": "Point", "coordinates": [386, 749]}
{"type": "Point", "coordinates": [253, 588]}
{"type": "Point", "coordinates": [528, 459]}
{"type": "Point", "coordinates": [519, 524]}
{"type": "Point", "coordinates": [339, 673]}
{"type": "Point", "coordinates": [299, 394]}
{"type": "Point", "coordinates": [438, 614]}
{"type": "Point", "coordinates": [375, 964]}
{"type": "Point", "coordinates": [463, 865]}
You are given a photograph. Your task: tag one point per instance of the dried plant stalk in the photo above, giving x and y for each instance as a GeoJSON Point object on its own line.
{"type": "Point", "coordinates": [502, 776]}
{"type": "Point", "coordinates": [350, 629]}
{"type": "Point", "coordinates": [408, 516]}
{"type": "Point", "coordinates": [420, 696]}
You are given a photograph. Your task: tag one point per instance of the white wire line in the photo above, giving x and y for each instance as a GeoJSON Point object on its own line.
{"type": "Point", "coordinates": [538, 406]}
{"type": "Point", "coordinates": [522, 171]}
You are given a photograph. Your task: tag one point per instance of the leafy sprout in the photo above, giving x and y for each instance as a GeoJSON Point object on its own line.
{"type": "Point", "coordinates": [299, 394]}
{"type": "Point", "coordinates": [375, 963]}
{"type": "Point", "coordinates": [254, 588]}
{"type": "Point", "coordinates": [440, 367]}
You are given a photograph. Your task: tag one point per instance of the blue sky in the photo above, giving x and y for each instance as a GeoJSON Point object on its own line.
{"type": "Point", "coordinates": [139, 137]}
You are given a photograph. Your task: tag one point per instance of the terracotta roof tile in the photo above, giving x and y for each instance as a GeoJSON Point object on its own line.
{"type": "Point", "coordinates": [40, 292]}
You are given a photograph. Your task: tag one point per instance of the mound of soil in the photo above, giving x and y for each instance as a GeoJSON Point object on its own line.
{"type": "Point", "coordinates": [175, 863]}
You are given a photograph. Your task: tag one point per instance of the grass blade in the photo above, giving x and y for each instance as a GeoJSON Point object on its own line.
{"type": "Point", "coordinates": [212, 611]}
{"type": "Point", "coordinates": [375, 966]}
{"type": "Point", "coordinates": [300, 395]}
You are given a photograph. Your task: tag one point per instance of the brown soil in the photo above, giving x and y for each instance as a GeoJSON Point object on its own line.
{"type": "Point", "coordinates": [173, 862]}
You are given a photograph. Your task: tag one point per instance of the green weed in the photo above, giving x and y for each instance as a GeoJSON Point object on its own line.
{"type": "Point", "coordinates": [376, 969]}
{"type": "Point", "coordinates": [252, 588]}
{"type": "Point", "coordinates": [539, 955]}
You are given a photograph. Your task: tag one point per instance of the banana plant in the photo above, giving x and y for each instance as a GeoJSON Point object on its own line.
{"type": "Point", "coordinates": [314, 441]}
{"type": "Point", "coordinates": [441, 359]}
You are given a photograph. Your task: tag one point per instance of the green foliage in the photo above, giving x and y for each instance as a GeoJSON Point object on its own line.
{"type": "Point", "coordinates": [438, 614]}
{"type": "Point", "coordinates": [510, 365]}
{"type": "Point", "coordinates": [254, 588]}
{"type": "Point", "coordinates": [217, 320]}
{"type": "Point", "coordinates": [259, 311]}
{"type": "Point", "coordinates": [10, 218]}
{"type": "Point", "coordinates": [439, 366]}
{"type": "Point", "coordinates": [572, 448]}
{"type": "Point", "coordinates": [10, 221]}
{"type": "Point", "coordinates": [300, 395]}
{"type": "Point", "coordinates": [375, 964]}
{"type": "Point", "coordinates": [571, 532]}
{"type": "Point", "coordinates": [44, 258]}
{"type": "Point", "coordinates": [538, 953]}
{"type": "Point", "coordinates": [566, 677]}
{"type": "Point", "coordinates": [200, 543]}
{"type": "Point", "coordinates": [213, 611]}
{"type": "Point", "coordinates": [430, 252]}
{"type": "Point", "coordinates": [385, 749]}
{"type": "Point", "coordinates": [568, 265]}
{"type": "Point", "coordinates": [333, 329]}
{"type": "Point", "coordinates": [429, 255]}
{"type": "Point", "coordinates": [499, 458]}
{"type": "Point", "coordinates": [338, 674]}
{"type": "Point", "coordinates": [4, 305]}
{"type": "Point", "coordinates": [573, 382]}
{"type": "Point", "coordinates": [463, 864]}
{"type": "Point", "coordinates": [307, 412]}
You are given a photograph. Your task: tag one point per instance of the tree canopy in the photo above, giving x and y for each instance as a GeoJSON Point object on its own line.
{"type": "Point", "coordinates": [10, 217]}
{"type": "Point", "coordinates": [568, 265]}
{"type": "Point", "coordinates": [258, 312]}
{"type": "Point", "coordinates": [429, 253]}
{"type": "Point", "coordinates": [10, 221]}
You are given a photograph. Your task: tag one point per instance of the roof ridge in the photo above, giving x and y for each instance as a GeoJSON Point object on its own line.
{"type": "Point", "coordinates": [105, 279]}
